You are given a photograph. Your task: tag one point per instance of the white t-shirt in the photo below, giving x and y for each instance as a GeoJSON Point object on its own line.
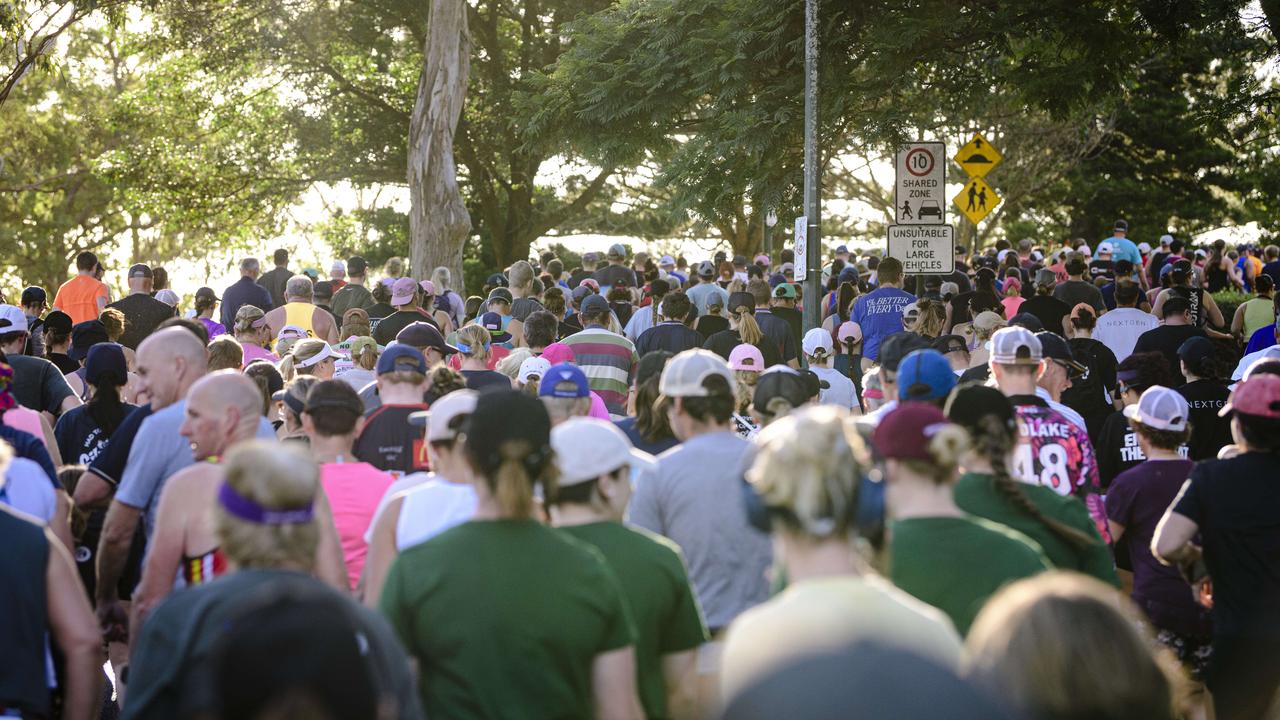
{"type": "Point", "coordinates": [840, 393]}
{"type": "Point", "coordinates": [432, 508]}
{"type": "Point", "coordinates": [1251, 358]}
{"type": "Point", "coordinates": [1120, 328]}
{"type": "Point", "coordinates": [26, 488]}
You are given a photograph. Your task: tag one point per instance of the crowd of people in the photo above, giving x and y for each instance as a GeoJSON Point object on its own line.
{"type": "Point", "coordinates": [1040, 486]}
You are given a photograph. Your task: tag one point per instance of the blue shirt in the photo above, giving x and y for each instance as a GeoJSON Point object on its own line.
{"type": "Point", "coordinates": [243, 292]}
{"type": "Point", "coordinates": [1124, 249]}
{"type": "Point", "coordinates": [879, 313]}
{"type": "Point", "coordinates": [1261, 339]}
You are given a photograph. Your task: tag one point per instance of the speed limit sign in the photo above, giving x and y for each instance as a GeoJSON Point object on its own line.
{"type": "Point", "coordinates": [920, 184]}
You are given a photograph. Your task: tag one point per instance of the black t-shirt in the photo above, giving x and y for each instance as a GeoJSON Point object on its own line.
{"type": "Point", "coordinates": [959, 277]}
{"type": "Point", "coordinates": [1166, 339]}
{"type": "Point", "coordinates": [63, 362]}
{"type": "Point", "coordinates": [110, 461]}
{"type": "Point", "coordinates": [777, 331]}
{"type": "Point", "coordinates": [569, 326]}
{"type": "Point", "coordinates": [623, 310]}
{"type": "Point", "coordinates": [1048, 309]}
{"type": "Point", "coordinates": [1154, 264]}
{"type": "Point", "coordinates": [723, 343]}
{"type": "Point", "coordinates": [391, 325]}
{"type": "Point", "coordinates": [481, 379]}
{"type": "Point", "coordinates": [1209, 433]}
{"type": "Point", "coordinates": [388, 442]}
{"type": "Point", "coordinates": [1089, 393]}
{"type": "Point", "coordinates": [80, 439]}
{"type": "Point", "coordinates": [578, 276]}
{"type": "Point", "coordinates": [377, 312]}
{"type": "Point", "coordinates": [1117, 448]}
{"type": "Point", "coordinates": [1235, 505]}
{"type": "Point", "coordinates": [611, 275]}
{"type": "Point", "coordinates": [142, 314]}
{"type": "Point", "coordinates": [37, 384]}
{"type": "Point", "coordinates": [674, 337]}
{"type": "Point", "coordinates": [1102, 269]}
{"type": "Point", "coordinates": [1195, 296]}
{"type": "Point", "coordinates": [795, 320]}
{"type": "Point", "coordinates": [708, 325]}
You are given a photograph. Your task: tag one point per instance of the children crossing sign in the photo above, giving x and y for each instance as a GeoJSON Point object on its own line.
{"type": "Point", "coordinates": [976, 200]}
{"type": "Point", "coordinates": [978, 157]}
{"type": "Point", "coordinates": [920, 184]}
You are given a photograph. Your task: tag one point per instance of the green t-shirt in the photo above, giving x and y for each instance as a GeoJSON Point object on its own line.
{"type": "Point", "coordinates": [350, 296]}
{"type": "Point", "coordinates": [976, 494]}
{"type": "Point", "coordinates": [505, 618]}
{"type": "Point", "coordinates": [956, 563]}
{"type": "Point", "coordinates": [657, 592]}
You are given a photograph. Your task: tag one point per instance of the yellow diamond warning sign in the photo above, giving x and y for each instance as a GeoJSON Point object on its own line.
{"type": "Point", "coordinates": [976, 200]}
{"type": "Point", "coordinates": [978, 157]}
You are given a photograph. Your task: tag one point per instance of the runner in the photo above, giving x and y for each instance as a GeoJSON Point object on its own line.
{"type": "Point", "coordinates": [1206, 393]}
{"type": "Point", "coordinates": [1168, 337]}
{"type": "Point", "coordinates": [298, 310]}
{"type": "Point", "coordinates": [648, 427]}
{"type": "Point", "coordinates": [670, 334]}
{"type": "Point", "coordinates": [818, 352]}
{"type": "Point", "coordinates": [387, 441]}
{"type": "Point", "coordinates": [84, 296]}
{"type": "Point", "coordinates": [879, 312]}
{"type": "Point", "coordinates": [37, 383]}
{"type": "Point", "coordinates": [609, 359]}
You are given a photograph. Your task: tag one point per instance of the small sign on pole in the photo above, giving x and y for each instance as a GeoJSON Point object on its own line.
{"type": "Point", "coordinates": [920, 184]}
{"type": "Point", "coordinates": [923, 249]}
{"type": "Point", "coordinates": [801, 248]}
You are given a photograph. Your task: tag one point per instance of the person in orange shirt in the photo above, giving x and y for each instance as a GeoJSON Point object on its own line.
{"type": "Point", "coordinates": [84, 296]}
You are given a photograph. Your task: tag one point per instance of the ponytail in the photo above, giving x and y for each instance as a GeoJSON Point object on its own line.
{"type": "Point", "coordinates": [287, 370]}
{"type": "Point", "coordinates": [994, 443]}
{"type": "Point", "coordinates": [106, 407]}
{"type": "Point", "coordinates": [947, 446]}
{"type": "Point", "coordinates": [748, 330]}
{"type": "Point", "coordinates": [519, 468]}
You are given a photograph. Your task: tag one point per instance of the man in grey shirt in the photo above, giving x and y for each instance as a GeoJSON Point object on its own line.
{"type": "Point", "coordinates": [1076, 290]}
{"type": "Point", "coordinates": [694, 495]}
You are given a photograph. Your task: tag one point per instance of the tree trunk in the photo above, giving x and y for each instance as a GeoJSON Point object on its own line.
{"type": "Point", "coordinates": [438, 220]}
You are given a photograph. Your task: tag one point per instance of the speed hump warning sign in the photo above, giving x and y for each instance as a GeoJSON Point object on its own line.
{"type": "Point", "coordinates": [923, 249]}
{"type": "Point", "coordinates": [978, 157]}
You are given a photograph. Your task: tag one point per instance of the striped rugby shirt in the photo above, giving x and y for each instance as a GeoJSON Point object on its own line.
{"type": "Point", "coordinates": [609, 362]}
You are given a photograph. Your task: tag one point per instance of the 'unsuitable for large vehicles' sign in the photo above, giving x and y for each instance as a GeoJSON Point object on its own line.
{"type": "Point", "coordinates": [920, 184]}
{"type": "Point", "coordinates": [923, 249]}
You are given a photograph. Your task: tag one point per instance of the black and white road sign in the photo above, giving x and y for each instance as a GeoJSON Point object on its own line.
{"type": "Point", "coordinates": [923, 249]}
{"type": "Point", "coordinates": [920, 184]}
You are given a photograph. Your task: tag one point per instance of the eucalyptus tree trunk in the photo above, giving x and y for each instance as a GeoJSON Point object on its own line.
{"type": "Point", "coordinates": [438, 218]}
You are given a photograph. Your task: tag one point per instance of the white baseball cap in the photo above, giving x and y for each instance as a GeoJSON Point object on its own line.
{"type": "Point", "coordinates": [533, 366]}
{"type": "Point", "coordinates": [1106, 247]}
{"type": "Point", "coordinates": [666, 260]}
{"type": "Point", "coordinates": [684, 373]}
{"type": "Point", "coordinates": [441, 420]}
{"type": "Point", "coordinates": [815, 340]}
{"type": "Point", "coordinates": [338, 267]}
{"type": "Point", "coordinates": [587, 448]}
{"type": "Point", "coordinates": [1015, 345]}
{"type": "Point", "coordinates": [12, 320]}
{"type": "Point", "coordinates": [1166, 239]}
{"type": "Point", "coordinates": [1144, 247]}
{"type": "Point", "coordinates": [1160, 408]}
{"type": "Point", "coordinates": [168, 297]}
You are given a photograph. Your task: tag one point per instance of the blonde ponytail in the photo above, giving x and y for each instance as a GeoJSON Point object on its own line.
{"type": "Point", "coordinates": [512, 482]}
{"type": "Point", "coordinates": [748, 330]}
{"type": "Point", "coordinates": [947, 446]}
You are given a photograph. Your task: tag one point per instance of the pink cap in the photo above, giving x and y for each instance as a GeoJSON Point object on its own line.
{"type": "Point", "coordinates": [402, 291]}
{"type": "Point", "coordinates": [556, 353]}
{"type": "Point", "coordinates": [746, 357]}
{"type": "Point", "coordinates": [1258, 396]}
{"type": "Point", "coordinates": [762, 260]}
{"type": "Point", "coordinates": [849, 331]}
{"type": "Point", "coordinates": [428, 287]}
{"type": "Point", "coordinates": [591, 283]}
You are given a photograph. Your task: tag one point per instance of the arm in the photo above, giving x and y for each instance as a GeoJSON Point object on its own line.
{"type": "Point", "coordinates": [1159, 303]}
{"type": "Point", "coordinates": [382, 552]}
{"type": "Point", "coordinates": [61, 522]}
{"type": "Point", "coordinates": [1214, 314]}
{"type": "Point", "coordinates": [1237, 321]}
{"type": "Point", "coordinates": [516, 328]}
{"type": "Point", "coordinates": [1117, 530]}
{"type": "Point", "coordinates": [113, 553]}
{"type": "Point", "coordinates": [1171, 543]}
{"type": "Point", "coordinates": [76, 634]}
{"type": "Point", "coordinates": [70, 402]}
{"type": "Point", "coordinates": [323, 323]}
{"type": "Point", "coordinates": [613, 680]}
{"type": "Point", "coordinates": [92, 491]}
{"type": "Point", "coordinates": [330, 565]}
{"type": "Point", "coordinates": [50, 441]}
{"type": "Point", "coordinates": [678, 673]}
{"type": "Point", "coordinates": [168, 540]}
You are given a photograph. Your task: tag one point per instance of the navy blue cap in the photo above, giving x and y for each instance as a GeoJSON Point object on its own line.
{"type": "Point", "coordinates": [105, 363]}
{"type": "Point", "coordinates": [564, 373]}
{"type": "Point", "coordinates": [33, 295]}
{"type": "Point", "coordinates": [84, 336]}
{"type": "Point", "coordinates": [492, 322]}
{"type": "Point", "coordinates": [594, 303]}
{"type": "Point", "coordinates": [401, 357]}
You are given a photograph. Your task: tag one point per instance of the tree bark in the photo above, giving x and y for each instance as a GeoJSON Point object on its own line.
{"type": "Point", "coordinates": [438, 220]}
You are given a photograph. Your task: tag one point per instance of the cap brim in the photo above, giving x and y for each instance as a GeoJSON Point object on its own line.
{"type": "Point", "coordinates": [277, 396]}
{"type": "Point", "coordinates": [447, 349]}
{"type": "Point", "coordinates": [1131, 412]}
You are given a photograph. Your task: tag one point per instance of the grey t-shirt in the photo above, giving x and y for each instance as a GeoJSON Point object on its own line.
{"type": "Point", "coordinates": [37, 384]}
{"type": "Point", "coordinates": [522, 308]}
{"type": "Point", "coordinates": [694, 498]}
{"type": "Point", "coordinates": [158, 452]}
{"type": "Point", "coordinates": [1074, 292]}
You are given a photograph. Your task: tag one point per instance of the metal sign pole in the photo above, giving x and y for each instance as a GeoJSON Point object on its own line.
{"type": "Point", "coordinates": [813, 256]}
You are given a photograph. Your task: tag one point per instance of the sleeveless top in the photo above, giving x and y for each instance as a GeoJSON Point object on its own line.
{"type": "Point", "coordinates": [1257, 314]}
{"type": "Point", "coordinates": [1216, 278]}
{"type": "Point", "coordinates": [432, 508]}
{"type": "Point", "coordinates": [200, 569]}
{"type": "Point", "coordinates": [26, 420]}
{"type": "Point", "coordinates": [1196, 297]}
{"type": "Point", "coordinates": [300, 314]}
{"type": "Point", "coordinates": [23, 564]}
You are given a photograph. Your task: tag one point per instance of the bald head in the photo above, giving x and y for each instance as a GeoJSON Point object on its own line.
{"type": "Point", "coordinates": [169, 362]}
{"type": "Point", "coordinates": [223, 409]}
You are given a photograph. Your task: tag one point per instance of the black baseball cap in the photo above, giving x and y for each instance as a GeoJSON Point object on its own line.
{"type": "Point", "coordinates": [496, 280]}
{"type": "Point", "coordinates": [970, 402]}
{"type": "Point", "coordinates": [205, 292]}
{"type": "Point", "coordinates": [897, 346]}
{"type": "Point", "coordinates": [139, 271]}
{"type": "Point", "coordinates": [423, 335]}
{"type": "Point", "coordinates": [33, 295]}
{"type": "Point", "coordinates": [503, 416]}
{"type": "Point", "coordinates": [1028, 321]}
{"type": "Point", "coordinates": [742, 299]}
{"type": "Point", "coordinates": [813, 383]}
{"type": "Point", "coordinates": [651, 364]}
{"type": "Point", "coordinates": [500, 293]}
{"type": "Point", "coordinates": [1054, 347]}
{"type": "Point", "coordinates": [84, 336]}
{"type": "Point", "coordinates": [787, 385]}
{"type": "Point", "coordinates": [950, 343]}
{"type": "Point", "coordinates": [593, 303]}
{"type": "Point", "coordinates": [334, 395]}
{"type": "Point", "coordinates": [1195, 349]}
{"type": "Point", "coordinates": [57, 321]}
{"type": "Point", "coordinates": [357, 265]}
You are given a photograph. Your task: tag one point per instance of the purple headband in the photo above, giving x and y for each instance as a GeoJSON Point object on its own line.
{"type": "Point", "coordinates": [242, 508]}
{"type": "Point", "coordinates": [1128, 376]}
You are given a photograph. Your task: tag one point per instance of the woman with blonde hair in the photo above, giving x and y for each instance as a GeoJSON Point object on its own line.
{"type": "Point", "coordinates": [510, 365]}
{"type": "Point", "coordinates": [938, 553]}
{"type": "Point", "coordinates": [932, 318]}
{"type": "Point", "coordinates": [312, 356]}
{"type": "Point", "coordinates": [253, 334]}
{"type": "Point", "coordinates": [448, 300]}
{"type": "Point", "coordinates": [814, 492]}
{"type": "Point", "coordinates": [983, 327]}
{"type": "Point", "coordinates": [1053, 647]}
{"type": "Point", "coordinates": [116, 323]}
{"type": "Point", "coordinates": [560, 606]}
{"type": "Point", "coordinates": [364, 360]}
{"type": "Point", "coordinates": [743, 328]}
{"type": "Point", "coordinates": [747, 363]}
{"type": "Point", "coordinates": [475, 348]}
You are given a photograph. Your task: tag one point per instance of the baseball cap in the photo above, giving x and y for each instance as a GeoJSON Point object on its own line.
{"type": "Point", "coordinates": [667, 260]}
{"type": "Point", "coordinates": [587, 448]}
{"type": "Point", "coordinates": [84, 336]}
{"type": "Point", "coordinates": [903, 434]}
{"type": "Point", "coordinates": [1160, 408]}
{"type": "Point", "coordinates": [355, 344]}
{"type": "Point", "coordinates": [168, 297]}
{"type": "Point", "coordinates": [897, 346]}
{"type": "Point", "coordinates": [817, 339]}
{"type": "Point", "coordinates": [813, 384]}
{"type": "Point", "coordinates": [787, 385]}
{"type": "Point", "coordinates": [33, 295]}
{"type": "Point", "coordinates": [492, 322]}
{"type": "Point", "coordinates": [503, 416]}
{"type": "Point", "coordinates": [400, 357]}
{"type": "Point", "coordinates": [1144, 247]}
{"type": "Point", "coordinates": [849, 331]}
{"type": "Point", "coordinates": [617, 251]}
{"type": "Point", "coordinates": [338, 267]}
{"type": "Point", "coordinates": [424, 335]}
{"type": "Point", "coordinates": [787, 268]}
{"type": "Point", "coordinates": [1195, 349]}
{"type": "Point", "coordinates": [403, 291]}
{"type": "Point", "coordinates": [924, 375]}
{"type": "Point", "coordinates": [1054, 347]}
{"type": "Point", "coordinates": [56, 321]}
{"type": "Point", "coordinates": [322, 289]}
{"type": "Point", "coordinates": [105, 363]}
{"type": "Point", "coordinates": [139, 271]}
{"type": "Point", "coordinates": [742, 299]}
{"type": "Point", "coordinates": [1259, 396]}
{"type": "Point", "coordinates": [564, 373]}
{"type": "Point", "coordinates": [842, 249]}
{"type": "Point", "coordinates": [496, 280]}
{"type": "Point", "coordinates": [590, 257]}
{"type": "Point", "coordinates": [988, 322]}
{"type": "Point", "coordinates": [969, 403]}
{"type": "Point", "coordinates": [739, 260]}
{"type": "Point", "coordinates": [746, 357]}
{"type": "Point", "coordinates": [357, 265]}
{"type": "Point", "coordinates": [911, 309]}
{"type": "Point", "coordinates": [848, 274]}
{"type": "Point", "coordinates": [1106, 247]}
{"type": "Point", "coordinates": [762, 260]}
{"type": "Point", "coordinates": [1122, 225]}
{"type": "Point", "coordinates": [1027, 321]}
{"type": "Point", "coordinates": [206, 293]}
{"type": "Point", "coordinates": [1045, 276]}
{"type": "Point", "coordinates": [291, 332]}
{"type": "Point", "coordinates": [776, 279]}
{"type": "Point", "coordinates": [590, 283]}
{"type": "Point", "coordinates": [581, 292]}
{"type": "Point", "coordinates": [443, 420]}
{"type": "Point", "coordinates": [533, 368]}
{"type": "Point", "coordinates": [594, 304]}
{"type": "Point", "coordinates": [706, 269]}
{"type": "Point", "coordinates": [312, 273]}
{"type": "Point", "coordinates": [785, 290]}
{"type": "Point", "coordinates": [1016, 345]}
{"type": "Point", "coordinates": [684, 374]}
{"type": "Point", "coordinates": [12, 320]}
{"type": "Point", "coordinates": [950, 343]}
{"type": "Point", "coordinates": [556, 353]}
{"type": "Point", "coordinates": [1165, 240]}
{"type": "Point", "coordinates": [333, 395]}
